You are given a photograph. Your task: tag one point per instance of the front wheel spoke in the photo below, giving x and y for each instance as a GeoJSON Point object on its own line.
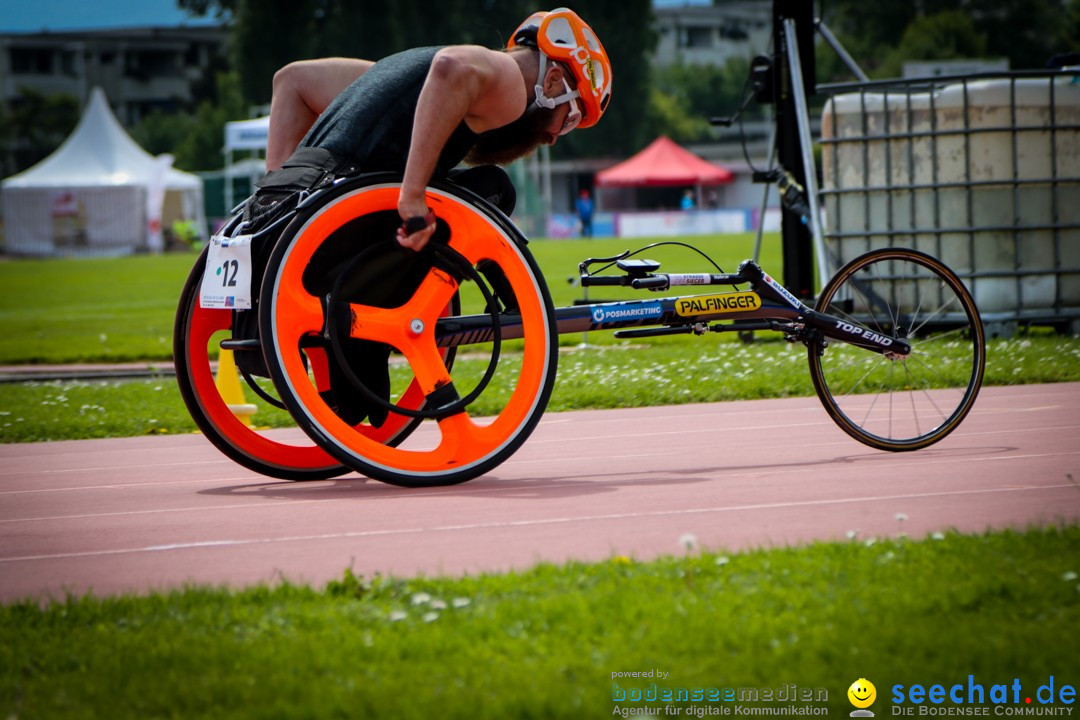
{"type": "Point", "coordinates": [870, 313]}
{"type": "Point", "coordinates": [852, 362]}
{"type": "Point", "coordinates": [925, 391]}
{"type": "Point", "coordinates": [911, 398]}
{"type": "Point", "coordinates": [936, 337]}
{"type": "Point", "coordinates": [938, 311]}
{"type": "Point", "coordinates": [936, 374]}
{"type": "Point", "coordinates": [858, 383]}
{"type": "Point", "coordinates": [913, 318]}
{"type": "Point", "coordinates": [873, 402]}
{"type": "Point", "coordinates": [930, 398]}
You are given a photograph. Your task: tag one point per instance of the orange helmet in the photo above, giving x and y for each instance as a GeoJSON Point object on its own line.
{"type": "Point", "coordinates": [562, 36]}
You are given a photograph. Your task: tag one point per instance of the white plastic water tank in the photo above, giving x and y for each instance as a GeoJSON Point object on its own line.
{"type": "Point", "coordinates": [989, 209]}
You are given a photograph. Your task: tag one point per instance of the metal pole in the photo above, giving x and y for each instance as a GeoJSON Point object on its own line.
{"type": "Point", "coordinates": [802, 114]}
{"type": "Point", "coordinates": [839, 49]}
{"type": "Point", "coordinates": [228, 181]}
{"type": "Point", "coordinates": [765, 199]}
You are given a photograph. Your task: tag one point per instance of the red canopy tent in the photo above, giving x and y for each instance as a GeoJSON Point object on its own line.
{"type": "Point", "coordinates": [663, 163]}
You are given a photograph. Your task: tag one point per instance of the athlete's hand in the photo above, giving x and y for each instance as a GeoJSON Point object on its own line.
{"type": "Point", "coordinates": [418, 224]}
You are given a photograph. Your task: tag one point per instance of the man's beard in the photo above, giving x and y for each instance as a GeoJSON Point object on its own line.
{"type": "Point", "coordinates": [504, 145]}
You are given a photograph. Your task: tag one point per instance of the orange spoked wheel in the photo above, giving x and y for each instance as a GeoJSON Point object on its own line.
{"type": "Point", "coordinates": [336, 277]}
{"type": "Point", "coordinates": [198, 331]}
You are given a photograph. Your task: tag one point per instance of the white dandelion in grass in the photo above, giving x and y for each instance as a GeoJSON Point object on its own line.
{"type": "Point", "coordinates": [398, 615]}
{"type": "Point", "coordinates": [421, 598]}
{"type": "Point", "coordinates": [460, 602]}
{"type": "Point", "coordinates": [430, 617]}
{"type": "Point", "coordinates": [688, 541]}
{"type": "Point", "coordinates": [851, 534]}
{"type": "Point", "coordinates": [722, 560]}
{"type": "Point", "coordinates": [1069, 576]}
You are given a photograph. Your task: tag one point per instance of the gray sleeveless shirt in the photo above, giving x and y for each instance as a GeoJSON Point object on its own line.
{"type": "Point", "coordinates": [369, 125]}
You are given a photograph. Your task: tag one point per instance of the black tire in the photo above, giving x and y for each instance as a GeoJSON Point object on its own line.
{"type": "Point", "coordinates": [893, 402]}
{"type": "Point", "coordinates": [246, 446]}
{"type": "Point", "coordinates": [299, 286]}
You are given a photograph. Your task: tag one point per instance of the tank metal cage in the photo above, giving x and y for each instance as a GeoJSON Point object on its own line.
{"type": "Point", "coordinates": [981, 171]}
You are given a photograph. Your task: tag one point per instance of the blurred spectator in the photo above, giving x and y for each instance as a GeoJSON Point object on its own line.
{"type": "Point", "coordinates": [687, 202]}
{"type": "Point", "coordinates": [585, 213]}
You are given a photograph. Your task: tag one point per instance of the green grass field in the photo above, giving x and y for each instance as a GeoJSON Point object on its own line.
{"type": "Point", "coordinates": [545, 643]}
{"type": "Point", "coordinates": [122, 309]}
{"type": "Point", "coordinates": [679, 371]}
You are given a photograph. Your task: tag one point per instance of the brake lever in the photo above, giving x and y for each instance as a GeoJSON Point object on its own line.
{"type": "Point", "coordinates": [583, 266]}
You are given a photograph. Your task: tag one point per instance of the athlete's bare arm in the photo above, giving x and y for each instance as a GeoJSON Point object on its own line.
{"type": "Point", "coordinates": [302, 90]}
{"type": "Point", "coordinates": [483, 87]}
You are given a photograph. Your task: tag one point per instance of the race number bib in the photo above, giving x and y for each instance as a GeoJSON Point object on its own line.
{"type": "Point", "coordinates": [226, 281]}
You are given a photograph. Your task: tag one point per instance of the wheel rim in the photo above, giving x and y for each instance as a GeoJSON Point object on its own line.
{"type": "Point", "coordinates": [906, 402]}
{"type": "Point", "coordinates": [256, 450]}
{"type": "Point", "coordinates": [463, 442]}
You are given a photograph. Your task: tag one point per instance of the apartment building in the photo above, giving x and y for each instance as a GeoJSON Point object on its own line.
{"type": "Point", "coordinates": [712, 34]}
{"type": "Point", "coordinates": [140, 69]}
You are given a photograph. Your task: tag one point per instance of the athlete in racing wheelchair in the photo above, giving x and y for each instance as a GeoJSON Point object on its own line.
{"type": "Point", "coordinates": [419, 113]}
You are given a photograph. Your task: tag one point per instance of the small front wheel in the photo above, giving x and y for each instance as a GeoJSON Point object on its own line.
{"type": "Point", "coordinates": [900, 402]}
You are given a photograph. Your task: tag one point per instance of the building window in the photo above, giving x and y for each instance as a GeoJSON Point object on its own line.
{"type": "Point", "coordinates": [31, 61]}
{"type": "Point", "coordinates": [699, 37]}
{"type": "Point", "coordinates": [148, 64]}
{"type": "Point", "coordinates": [734, 31]}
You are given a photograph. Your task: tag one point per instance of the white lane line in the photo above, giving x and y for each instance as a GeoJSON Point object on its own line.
{"type": "Point", "coordinates": [534, 441]}
{"type": "Point", "coordinates": [125, 486]}
{"type": "Point", "coordinates": [155, 465]}
{"type": "Point", "coordinates": [520, 523]}
{"type": "Point", "coordinates": [562, 485]}
{"type": "Point", "coordinates": [759, 428]}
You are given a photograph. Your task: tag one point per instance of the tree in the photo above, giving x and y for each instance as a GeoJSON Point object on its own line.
{"type": "Point", "coordinates": [268, 34]}
{"type": "Point", "coordinates": [943, 36]}
{"type": "Point", "coordinates": [1020, 30]}
{"type": "Point", "coordinates": [686, 96]}
{"type": "Point", "coordinates": [1068, 32]}
{"type": "Point", "coordinates": [626, 29]}
{"type": "Point", "coordinates": [36, 124]}
{"type": "Point", "coordinates": [194, 139]}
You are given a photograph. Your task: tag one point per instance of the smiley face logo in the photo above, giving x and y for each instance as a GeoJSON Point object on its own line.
{"type": "Point", "coordinates": [862, 693]}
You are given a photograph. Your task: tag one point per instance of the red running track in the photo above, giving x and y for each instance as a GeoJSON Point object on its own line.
{"type": "Point", "coordinates": [159, 512]}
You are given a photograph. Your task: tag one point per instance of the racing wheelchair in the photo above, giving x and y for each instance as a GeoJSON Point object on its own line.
{"type": "Point", "coordinates": [894, 342]}
{"type": "Point", "coordinates": [895, 345]}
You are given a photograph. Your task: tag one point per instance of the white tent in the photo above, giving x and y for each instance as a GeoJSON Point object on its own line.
{"type": "Point", "coordinates": [99, 193]}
